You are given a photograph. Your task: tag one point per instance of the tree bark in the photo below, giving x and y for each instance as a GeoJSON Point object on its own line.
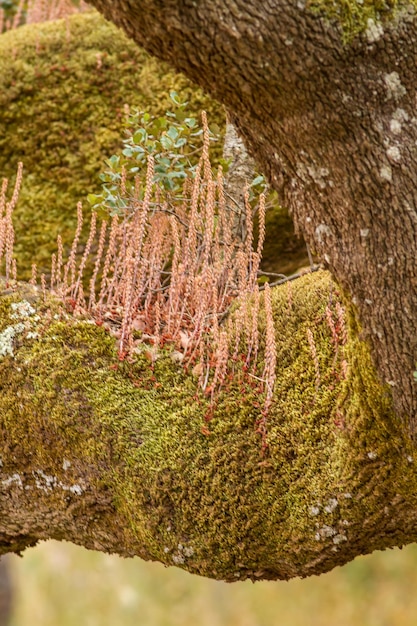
{"type": "Point", "coordinates": [117, 456]}
{"type": "Point", "coordinates": [240, 173]}
{"type": "Point", "coordinates": [333, 125]}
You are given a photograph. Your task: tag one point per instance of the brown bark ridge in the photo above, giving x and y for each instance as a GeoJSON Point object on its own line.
{"type": "Point", "coordinates": [333, 125]}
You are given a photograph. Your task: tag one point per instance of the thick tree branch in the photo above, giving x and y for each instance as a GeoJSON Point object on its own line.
{"type": "Point", "coordinates": [117, 456]}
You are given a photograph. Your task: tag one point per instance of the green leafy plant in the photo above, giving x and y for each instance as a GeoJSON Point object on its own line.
{"type": "Point", "coordinates": [174, 141]}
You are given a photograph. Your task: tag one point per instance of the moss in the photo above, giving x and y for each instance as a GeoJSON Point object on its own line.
{"type": "Point", "coordinates": [376, 449]}
{"type": "Point", "coordinates": [356, 17]}
{"type": "Point", "coordinates": [205, 496]}
{"type": "Point", "coordinates": [63, 87]}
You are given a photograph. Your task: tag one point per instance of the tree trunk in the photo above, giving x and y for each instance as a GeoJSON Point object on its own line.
{"type": "Point", "coordinates": [333, 125]}
{"type": "Point", "coordinates": [117, 456]}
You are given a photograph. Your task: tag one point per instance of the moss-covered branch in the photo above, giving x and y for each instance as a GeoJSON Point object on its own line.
{"type": "Point", "coordinates": [117, 455]}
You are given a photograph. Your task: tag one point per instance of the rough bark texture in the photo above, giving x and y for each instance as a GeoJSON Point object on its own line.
{"type": "Point", "coordinates": [240, 173]}
{"type": "Point", "coordinates": [117, 456]}
{"type": "Point", "coordinates": [333, 124]}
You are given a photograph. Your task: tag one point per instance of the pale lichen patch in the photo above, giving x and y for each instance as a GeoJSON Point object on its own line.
{"type": "Point", "coordinates": [395, 89]}
{"type": "Point", "coordinates": [47, 483]}
{"type": "Point", "coordinates": [14, 479]}
{"type": "Point", "coordinates": [325, 532]}
{"type": "Point", "coordinates": [400, 115]}
{"type": "Point", "coordinates": [182, 553]}
{"type": "Point", "coordinates": [394, 154]}
{"type": "Point", "coordinates": [21, 310]}
{"type": "Point", "coordinates": [322, 231]}
{"type": "Point", "coordinates": [374, 31]}
{"type": "Point", "coordinates": [24, 314]}
{"type": "Point", "coordinates": [314, 510]}
{"type": "Point", "coordinates": [7, 338]}
{"type": "Point", "coordinates": [385, 173]}
{"type": "Point", "coordinates": [395, 127]}
{"type": "Point", "coordinates": [331, 505]}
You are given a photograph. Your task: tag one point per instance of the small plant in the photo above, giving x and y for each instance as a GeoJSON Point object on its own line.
{"type": "Point", "coordinates": [6, 225]}
{"type": "Point", "coordinates": [174, 141]}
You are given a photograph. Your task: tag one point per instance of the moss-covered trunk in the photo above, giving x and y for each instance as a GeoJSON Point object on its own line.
{"type": "Point", "coordinates": [117, 455]}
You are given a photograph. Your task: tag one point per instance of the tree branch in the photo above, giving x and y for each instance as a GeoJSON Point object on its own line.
{"type": "Point", "coordinates": [117, 455]}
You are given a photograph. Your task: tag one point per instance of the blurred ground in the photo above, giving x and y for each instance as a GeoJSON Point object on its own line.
{"type": "Point", "coordinates": [61, 584]}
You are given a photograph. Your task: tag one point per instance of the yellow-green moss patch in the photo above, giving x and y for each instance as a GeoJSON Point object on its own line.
{"type": "Point", "coordinates": [364, 16]}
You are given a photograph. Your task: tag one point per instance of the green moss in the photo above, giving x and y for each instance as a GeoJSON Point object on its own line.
{"type": "Point", "coordinates": [63, 87]}
{"type": "Point", "coordinates": [356, 17]}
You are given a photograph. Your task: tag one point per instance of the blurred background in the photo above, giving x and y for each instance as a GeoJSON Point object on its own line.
{"type": "Point", "coordinates": [61, 584]}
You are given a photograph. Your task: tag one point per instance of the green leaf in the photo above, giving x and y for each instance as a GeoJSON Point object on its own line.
{"type": "Point", "coordinates": [93, 199]}
{"type": "Point", "coordinates": [180, 142]}
{"type": "Point", "coordinates": [113, 161]}
{"type": "Point", "coordinates": [174, 97]}
{"type": "Point", "coordinates": [164, 161]}
{"type": "Point", "coordinates": [214, 128]}
{"type": "Point", "coordinates": [140, 136]}
{"type": "Point", "coordinates": [258, 180]}
{"type": "Point", "coordinates": [190, 122]}
{"type": "Point", "coordinates": [172, 133]}
{"type": "Point", "coordinates": [166, 142]}
{"type": "Point", "coordinates": [180, 115]}
{"type": "Point", "coordinates": [160, 169]}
